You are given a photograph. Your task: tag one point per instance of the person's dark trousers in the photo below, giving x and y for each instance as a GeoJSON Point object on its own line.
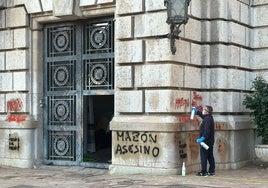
{"type": "Point", "coordinates": [207, 155]}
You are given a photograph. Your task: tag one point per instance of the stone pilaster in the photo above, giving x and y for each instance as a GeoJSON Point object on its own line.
{"type": "Point", "coordinates": [17, 127]}
{"type": "Point", "coordinates": [260, 42]}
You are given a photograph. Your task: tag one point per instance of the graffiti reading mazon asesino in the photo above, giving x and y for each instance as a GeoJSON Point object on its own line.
{"type": "Point", "coordinates": [136, 143]}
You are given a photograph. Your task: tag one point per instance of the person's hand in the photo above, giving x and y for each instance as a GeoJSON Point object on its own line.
{"type": "Point", "coordinates": [201, 139]}
{"type": "Point", "coordinates": [195, 109]}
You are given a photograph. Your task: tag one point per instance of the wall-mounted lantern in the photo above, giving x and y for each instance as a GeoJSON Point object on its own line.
{"type": "Point", "coordinates": [177, 14]}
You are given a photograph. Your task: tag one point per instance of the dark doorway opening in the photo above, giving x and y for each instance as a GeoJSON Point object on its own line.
{"type": "Point", "coordinates": [98, 112]}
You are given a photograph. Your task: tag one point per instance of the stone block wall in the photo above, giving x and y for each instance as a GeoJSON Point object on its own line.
{"type": "Point", "coordinates": [259, 43]}
{"type": "Point", "coordinates": [14, 59]}
{"type": "Point", "coordinates": [15, 87]}
{"type": "Point", "coordinates": [213, 65]}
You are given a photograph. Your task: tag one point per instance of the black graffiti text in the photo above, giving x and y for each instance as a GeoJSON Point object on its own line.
{"type": "Point", "coordinates": [135, 149]}
{"type": "Point", "coordinates": [143, 137]}
{"type": "Point", "coordinates": [136, 143]}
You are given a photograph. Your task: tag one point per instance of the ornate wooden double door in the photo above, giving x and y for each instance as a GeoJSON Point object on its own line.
{"type": "Point", "coordinates": [78, 62]}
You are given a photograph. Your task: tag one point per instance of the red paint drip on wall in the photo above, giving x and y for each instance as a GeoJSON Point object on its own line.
{"type": "Point", "coordinates": [16, 118]}
{"type": "Point", "coordinates": [197, 100]}
{"type": "Point", "coordinates": [218, 126]}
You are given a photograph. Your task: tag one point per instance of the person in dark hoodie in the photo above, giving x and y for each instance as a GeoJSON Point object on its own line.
{"type": "Point", "coordinates": [206, 135]}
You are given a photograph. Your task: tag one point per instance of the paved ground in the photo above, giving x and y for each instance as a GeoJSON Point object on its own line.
{"type": "Point", "coordinates": [255, 176]}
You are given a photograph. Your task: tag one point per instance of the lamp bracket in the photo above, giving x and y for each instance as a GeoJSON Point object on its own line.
{"type": "Point", "coordinates": [177, 15]}
{"type": "Point", "coordinates": [174, 34]}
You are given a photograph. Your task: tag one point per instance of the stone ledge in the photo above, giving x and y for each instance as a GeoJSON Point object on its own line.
{"type": "Point", "coordinates": [28, 124]}
{"type": "Point", "coordinates": [143, 123]}
{"type": "Point", "coordinates": [121, 169]}
{"type": "Point", "coordinates": [233, 122]}
{"type": "Point", "coordinates": [176, 123]}
{"type": "Point", "coordinates": [19, 163]}
{"type": "Point", "coordinates": [260, 2]}
{"type": "Point", "coordinates": [232, 165]}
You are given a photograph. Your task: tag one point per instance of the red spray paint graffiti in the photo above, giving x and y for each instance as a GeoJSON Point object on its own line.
{"type": "Point", "coordinates": [221, 126]}
{"type": "Point", "coordinates": [15, 106]}
{"type": "Point", "coordinates": [181, 103]}
{"type": "Point", "coordinates": [197, 101]}
{"type": "Point", "coordinates": [16, 118]}
{"type": "Point", "coordinates": [185, 103]}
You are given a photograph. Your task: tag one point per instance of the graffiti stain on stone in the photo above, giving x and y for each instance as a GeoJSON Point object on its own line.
{"type": "Point", "coordinates": [182, 102]}
{"type": "Point", "coordinates": [222, 148]}
{"type": "Point", "coordinates": [194, 147]}
{"type": "Point", "coordinates": [14, 106]}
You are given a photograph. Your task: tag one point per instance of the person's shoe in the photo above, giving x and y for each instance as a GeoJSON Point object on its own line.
{"type": "Point", "coordinates": [211, 174]}
{"type": "Point", "coordinates": [201, 174]}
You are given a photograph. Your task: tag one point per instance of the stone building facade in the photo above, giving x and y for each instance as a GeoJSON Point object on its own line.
{"type": "Point", "coordinates": [49, 47]}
